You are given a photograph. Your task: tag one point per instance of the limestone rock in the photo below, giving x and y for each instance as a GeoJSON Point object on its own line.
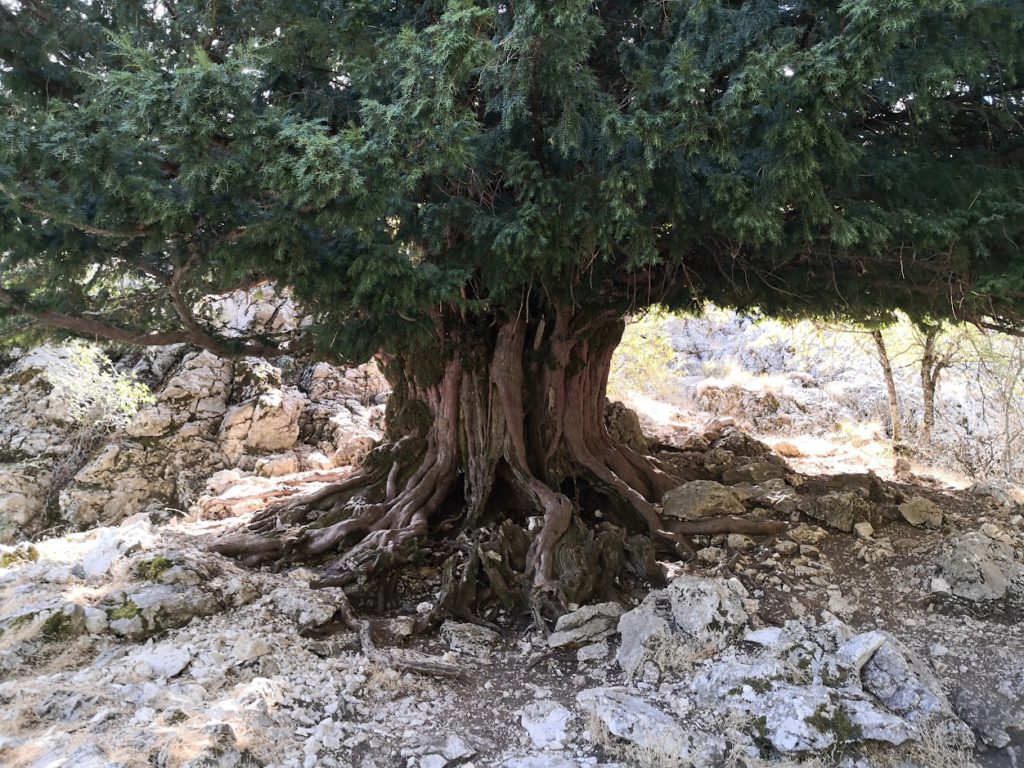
{"type": "Point", "coordinates": [624, 426]}
{"type": "Point", "coordinates": [649, 729]}
{"type": "Point", "coordinates": [266, 423]}
{"type": "Point", "coordinates": [585, 625]}
{"type": "Point", "coordinates": [755, 472]}
{"type": "Point", "coordinates": [838, 509]}
{"type": "Point", "coordinates": [864, 530]}
{"type": "Point", "coordinates": [903, 684]}
{"type": "Point", "coordinates": [160, 661]}
{"type": "Point", "coordinates": [701, 498]}
{"type": "Point", "coordinates": [700, 612]}
{"type": "Point", "coordinates": [110, 544]}
{"type": "Point", "coordinates": [807, 534]}
{"type": "Point", "coordinates": [547, 723]}
{"type": "Point", "coordinates": [921, 511]}
{"type": "Point", "coordinates": [992, 714]}
{"type": "Point", "coordinates": [164, 455]}
{"type": "Point", "coordinates": [979, 567]}
{"type": "Point", "coordinates": [650, 619]}
{"type": "Point", "coordinates": [809, 687]}
{"type": "Point", "coordinates": [143, 611]}
{"type": "Point", "coordinates": [469, 639]}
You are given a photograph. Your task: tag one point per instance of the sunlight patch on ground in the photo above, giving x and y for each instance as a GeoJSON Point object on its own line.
{"type": "Point", "coordinates": [657, 411]}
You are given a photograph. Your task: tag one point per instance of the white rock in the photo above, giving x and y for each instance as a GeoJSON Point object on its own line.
{"type": "Point", "coordinates": [585, 625]}
{"type": "Point", "coordinates": [979, 567]}
{"type": "Point", "coordinates": [249, 648]}
{"type": "Point", "coordinates": [592, 652]}
{"type": "Point", "coordinates": [546, 721]}
{"type": "Point", "coordinates": [163, 660]}
{"type": "Point", "coordinates": [110, 544]}
{"type": "Point", "coordinates": [921, 511]}
{"type": "Point", "coordinates": [648, 728]}
{"type": "Point", "coordinates": [855, 653]}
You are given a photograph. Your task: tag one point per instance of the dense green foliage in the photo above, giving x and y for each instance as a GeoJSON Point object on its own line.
{"type": "Point", "coordinates": [400, 162]}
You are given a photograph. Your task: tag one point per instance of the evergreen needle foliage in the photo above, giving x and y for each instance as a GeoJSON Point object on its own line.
{"type": "Point", "coordinates": [396, 162]}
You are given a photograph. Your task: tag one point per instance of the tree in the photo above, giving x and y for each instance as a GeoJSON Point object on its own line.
{"type": "Point", "coordinates": [479, 192]}
{"type": "Point", "coordinates": [895, 419]}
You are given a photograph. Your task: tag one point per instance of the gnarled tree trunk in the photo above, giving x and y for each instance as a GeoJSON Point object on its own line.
{"type": "Point", "coordinates": [502, 421]}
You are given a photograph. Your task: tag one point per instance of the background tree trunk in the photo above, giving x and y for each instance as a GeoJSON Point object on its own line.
{"type": "Point", "coordinates": [890, 386]}
{"type": "Point", "coordinates": [931, 368]}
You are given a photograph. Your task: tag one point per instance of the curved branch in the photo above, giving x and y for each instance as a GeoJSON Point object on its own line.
{"type": "Point", "coordinates": [86, 326]}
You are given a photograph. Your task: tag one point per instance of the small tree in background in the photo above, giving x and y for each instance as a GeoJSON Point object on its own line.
{"type": "Point", "coordinates": [478, 193]}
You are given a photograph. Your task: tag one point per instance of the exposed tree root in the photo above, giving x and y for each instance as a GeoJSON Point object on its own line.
{"type": "Point", "coordinates": [403, 662]}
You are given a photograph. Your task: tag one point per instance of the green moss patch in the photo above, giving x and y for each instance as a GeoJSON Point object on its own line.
{"type": "Point", "coordinates": [153, 570]}
{"type": "Point", "coordinates": [126, 610]}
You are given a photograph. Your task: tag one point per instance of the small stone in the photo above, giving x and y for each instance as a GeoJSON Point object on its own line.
{"type": "Point", "coordinates": [739, 542]}
{"type": "Point", "coordinates": [711, 555]}
{"type": "Point", "coordinates": [938, 650]}
{"type": "Point", "coordinates": [864, 530]}
{"type": "Point", "coordinates": [592, 652]}
{"type": "Point", "coordinates": [249, 648]}
{"type": "Point", "coordinates": [787, 548]}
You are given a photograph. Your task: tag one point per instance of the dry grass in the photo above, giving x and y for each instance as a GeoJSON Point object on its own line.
{"type": "Point", "coordinates": [934, 747]}
{"type": "Point", "coordinates": [672, 654]}
{"type": "Point", "coordinates": [648, 756]}
{"type": "Point", "coordinates": [386, 683]}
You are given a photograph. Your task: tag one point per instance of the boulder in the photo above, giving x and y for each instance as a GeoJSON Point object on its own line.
{"type": "Point", "coordinates": [755, 472]}
{"type": "Point", "coordinates": [838, 509]}
{"type": "Point", "coordinates": [809, 687]}
{"type": "Point", "coordinates": [159, 661]}
{"type": "Point", "coordinates": [701, 498]}
{"type": "Point", "coordinates": [469, 639]}
{"type": "Point", "coordinates": [921, 511]}
{"type": "Point", "coordinates": [266, 423]}
{"type": "Point", "coordinates": [979, 567]}
{"type": "Point", "coordinates": [996, 717]}
{"type": "Point", "coordinates": [698, 612]}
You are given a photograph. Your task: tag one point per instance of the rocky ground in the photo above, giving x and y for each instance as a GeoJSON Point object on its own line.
{"type": "Point", "coordinates": [881, 628]}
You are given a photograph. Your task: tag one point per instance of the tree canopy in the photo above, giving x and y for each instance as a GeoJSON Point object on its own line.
{"type": "Point", "coordinates": [398, 162]}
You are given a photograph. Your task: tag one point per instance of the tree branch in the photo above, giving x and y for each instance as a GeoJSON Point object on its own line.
{"type": "Point", "coordinates": [121, 234]}
{"type": "Point", "coordinates": [85, 326]}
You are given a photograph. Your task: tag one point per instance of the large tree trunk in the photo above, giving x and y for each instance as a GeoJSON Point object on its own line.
{"type": "Point", "coordinates": [493, 425]}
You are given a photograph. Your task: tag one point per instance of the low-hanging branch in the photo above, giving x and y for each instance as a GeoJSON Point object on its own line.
{"type": "Point", "coordinates": [91, 327]}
